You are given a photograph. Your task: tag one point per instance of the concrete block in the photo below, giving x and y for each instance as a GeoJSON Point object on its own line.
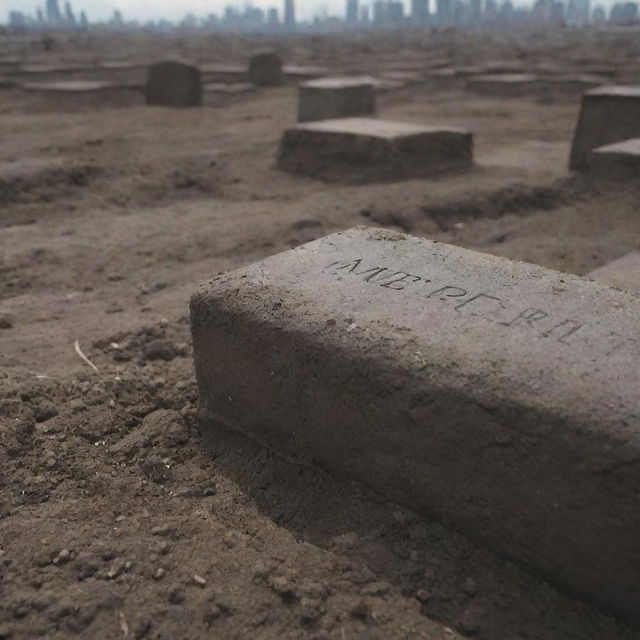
{"type": "Point", "coordinates": [500, 395]}
{"type": "Point", "coordinates": [265, 69]}
{"type": "Point", "coordinates": [608, 114]}
{"type": "Point", "coordinates": [174, 84]}
{"type": "Point", "coordinates": [623, 273]}
{"type": "Point", "coordinates": [336, 98]}
{"type": "Point", "coordinates": [618, 161]}
{"type": "Point", "coordinates": [368, 150]}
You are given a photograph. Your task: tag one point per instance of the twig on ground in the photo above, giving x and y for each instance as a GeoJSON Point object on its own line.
{"type": "Point", "coordinates": [78, 350]}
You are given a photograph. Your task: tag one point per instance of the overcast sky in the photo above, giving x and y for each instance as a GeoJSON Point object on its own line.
{"type": "Point", "coordinates": [169, 9]}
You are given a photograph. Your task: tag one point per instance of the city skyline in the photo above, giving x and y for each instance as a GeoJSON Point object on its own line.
{"type": "Point", "coordinates": [175, 10]}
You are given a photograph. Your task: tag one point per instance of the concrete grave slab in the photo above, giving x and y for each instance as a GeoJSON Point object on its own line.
{"type": "Point", "coordinates": [68, 86]}
{"type": "Point", "coordinates": [500, 395]}
{"type": "Point", "coordinates": [297, 72]}
{"type": "Point", "coordinates": [620, 160]}
{"type": "Point", "coordinates": [623, 273]}
{"type": "Point", "coordinates": [265, 69]}
{"type": "Point", "coordinates": [174, 84]}
{"type": "Point", "coordinates": [225, 73]}
{"type": "Point", "coordinates": [366, 150]}
{"type": "Point", "coordinates": [338, 97]}
{"type": "Point", "coordinates": [608, 114]}
{"type": "Point", "coordinates": [509, 85]}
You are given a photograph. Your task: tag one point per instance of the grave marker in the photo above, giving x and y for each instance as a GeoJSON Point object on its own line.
{"type": "Point", "coordinates": [367, 150]}
{"type": "Point", "coordinates": [623, 273]}
{"type": "Point", "coordinates": [500, 395]}
{"type": "Point", "coordinates": [265, 69]}
{"type": "Point", "coordinates": [608, 114]}
{"type": "Point", "coordinates": [336, 98]}
{"type": "Point", "coordinates": [620, 160]}
{"type": "Point", "coordinates": [174, 84]}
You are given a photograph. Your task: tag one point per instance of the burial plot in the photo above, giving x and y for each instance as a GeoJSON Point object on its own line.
{"type": "Point", "coordinates": [505, 85]}
{"type": "Point", "coordinates": [623, 273]}
{"type": "Point", "coordinates": [336, 98]}
{"type": "Point", "coordinates": [299, 73]}
{"type": "Point", "coordinates": [174, 84]}
{"type": "Point", "coordinates": [608, 114]}
{"type": "Point", "coordinates": [265, 69]}
{"type": "Point", "coordinates": [367, 150]}
{"type": "Point", "coordinates": [500, 395]}
{"type": "Point", "coordinates": [224, 73]}
{"type": "Point", "coordinates": [77, 94]}
{"type": "Point", "coordinates": [620, 160]}
{"type": "Point", "coordinates": [220, 94]}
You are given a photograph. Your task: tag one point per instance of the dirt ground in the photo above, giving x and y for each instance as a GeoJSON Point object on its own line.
{"type": "Point", "coordinates": [118, 517]}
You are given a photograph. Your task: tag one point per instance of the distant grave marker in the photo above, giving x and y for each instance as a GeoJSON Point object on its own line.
{"type": "Point", "coordinates": [623, 273]}
{"type": "Point", "coordinates": [369, 150]}
{"type": "Point", "coordinates": [608, 114]}
{"type": "Point", "coordinates": [265, 69]}
{"type": "Point", "coordinates": [328, 98]}
{"type": "Point", "coordinates": [174, 84]}
{"type": "Point", "coordinates": [620, 160]}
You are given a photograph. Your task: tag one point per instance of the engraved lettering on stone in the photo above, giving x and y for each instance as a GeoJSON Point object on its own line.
{"type": "Point", "coordinates": [479, 298]}
{"type": "Point", "coordinates": [528, 317]}
{"type": "Point", "coordinates": [402, 280]}
{"type": "Point", "coordinates": [448, 292]}
{"type": "Point", "coordinates": [373, 274]}
{"type": "Point", "coordinates": [563, 331]}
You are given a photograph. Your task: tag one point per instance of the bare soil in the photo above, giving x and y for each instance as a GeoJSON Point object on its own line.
{"type": "Point", "coordinates": [118, 517]}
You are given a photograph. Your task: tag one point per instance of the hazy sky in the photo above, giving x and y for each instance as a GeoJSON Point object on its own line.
{"type": "Point", "coordinates": [170, 9]}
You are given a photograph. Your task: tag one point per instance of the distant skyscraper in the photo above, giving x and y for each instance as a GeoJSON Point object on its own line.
{"type": "Point", "coordinates": [420, 11]}
{"type": "Point", "coordinates": [352, 11]}
{"type": "Point", "coordinates": [272, 17]}
{"type": "Point", "coordinates": [53, 12]}
{"type": "Point", "coordinates": [444, 10]}
{"type": "Point", "coordinates": [69, 16]}
{"type": "Point", "coordinates": [289, 14]}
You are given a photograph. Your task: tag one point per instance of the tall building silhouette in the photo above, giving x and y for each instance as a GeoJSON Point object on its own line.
{"type": "Point", "coordinates": [352, 11]}
{"type": "Point", "coordinates": [289, 14]}
{"type": "Point", "coordinates": [54, 16]}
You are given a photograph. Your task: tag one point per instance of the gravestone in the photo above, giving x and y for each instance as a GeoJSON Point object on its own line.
{"type": "Point", "coordinates": [623, 273]}
{"type": "Point", "coordinates": [336, 98]}
{"type": "Point", "coordinates": [174, 84]}
{"type": "Point", "coordinates": [265, 69]}
{"type": "Point", "coordinates": [608, 114]}
{"type": "Point", "coordinates": [502, 396]}
{"type": "Point", "coordinates": [620, 160]}
{"type": "Point", "coordinates": [368, 150]}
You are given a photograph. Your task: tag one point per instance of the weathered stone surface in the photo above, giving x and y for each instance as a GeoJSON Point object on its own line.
{"type": "Point", "coordinates": [608, 114]}
{"type": "Point", "coordinates": [367, 150]}
{"type": "Point", "coordinates": [623, 273]}
{"type": "Point", "coordinates": [265, 69]}
{"type": "Point", "coordinates": [620, 160]}
{"type": "Point", "coordinates": [336, 98]}
{"type": "Point", "coordinates": [174, 84]}
{"type": "Point", "coordinates": [500, 395]}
